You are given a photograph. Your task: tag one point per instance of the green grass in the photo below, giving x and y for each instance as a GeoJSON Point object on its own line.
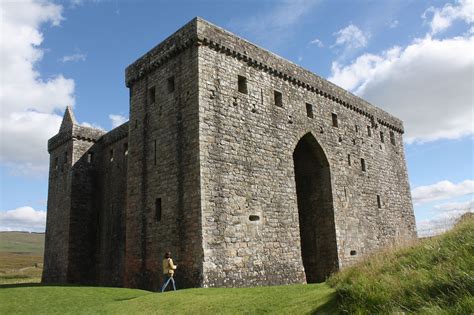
{"type": "Point", "coordinates": [432, 276]}
{"type": "Point", "coordinates": [22, 242]}
{"type": "Point", "coordinates": [294, 299]}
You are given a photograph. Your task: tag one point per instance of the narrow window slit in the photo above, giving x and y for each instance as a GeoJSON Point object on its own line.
{"type": "Point", "coordinates": [242, 84]}
{"type": "Point", "coordinates": [309, 110]}
{"type": "Point", "coordinates": [379, 202]}
{"type": "Point", "coordinates": [335, 122]}
{"type": "Point", "coordinates": [278, 98]}
{"type": "Point", "coordinates": [362, 165]}
{"type": "Point", "coordinates": [151, 95]}
{"type": "Point", "coordinates": [170, 84]}
{"type": "Point", "coordinates": [158, 209]}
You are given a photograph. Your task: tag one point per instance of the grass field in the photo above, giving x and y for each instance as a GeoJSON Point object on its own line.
{"type": "Point", "coordinates": [294, 299]}
{"type": "Point", "coordinates": [21, 257]}
{"type": "Point", "coordinates": [431, 276]}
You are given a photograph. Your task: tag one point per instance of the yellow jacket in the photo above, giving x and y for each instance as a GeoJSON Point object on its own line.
{"type": "Point", "coordinates": [168, 266]}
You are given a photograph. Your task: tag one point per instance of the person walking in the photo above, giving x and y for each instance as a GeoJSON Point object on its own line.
{"type": "Point", "coordinates": [168, 271]}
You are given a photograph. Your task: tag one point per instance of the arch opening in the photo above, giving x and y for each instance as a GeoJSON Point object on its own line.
{"type": "Point", "coordinates": [315, 210]}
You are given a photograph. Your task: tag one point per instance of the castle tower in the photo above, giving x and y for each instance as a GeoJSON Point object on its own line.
{"type": "Point", "coordinates": [163, 205]}
{"type": "Point", "coordinates": [71, 221]}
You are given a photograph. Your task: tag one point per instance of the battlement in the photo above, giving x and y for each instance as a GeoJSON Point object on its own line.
{"type": "Point", "coordinates": [201, 32]}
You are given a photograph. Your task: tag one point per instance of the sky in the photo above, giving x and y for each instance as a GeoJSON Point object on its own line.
{"type": "Point", "coordinates": [412, 58]}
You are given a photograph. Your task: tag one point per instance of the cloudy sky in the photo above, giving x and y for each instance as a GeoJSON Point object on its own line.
{"type": "Point", "coordinates": [413, 58]}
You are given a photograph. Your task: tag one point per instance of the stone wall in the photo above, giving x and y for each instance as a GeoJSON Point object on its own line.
{"type": "Point", "coordinates": [112, 160]}
{"type": "Point", "coordinates": [163, 201]}
{"type": "Point", "coordinates": [247, 145]}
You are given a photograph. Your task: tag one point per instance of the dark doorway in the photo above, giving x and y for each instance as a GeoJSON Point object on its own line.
{"type": "Point", "coordinates": [315, 210]}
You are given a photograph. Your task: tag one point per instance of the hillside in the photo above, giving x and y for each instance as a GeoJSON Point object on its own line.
{"type": "Point", "coordinates": [22, 242]}
{"type": "Point", "coordinates": [432, 276]}
{"type": "Point", "coordinates": [21, 257]}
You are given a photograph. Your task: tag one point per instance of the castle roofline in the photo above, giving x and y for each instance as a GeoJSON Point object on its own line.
{"type": "Point", "coordinates": [201, 32]}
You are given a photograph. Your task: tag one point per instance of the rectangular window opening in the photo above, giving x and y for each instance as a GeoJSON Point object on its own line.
{"type": "Point", "coordinates": [349, 159]}
{"type": "Point", "coordinates": [356, 129]}
{"type": "Point", "coordinates": [278, 98]}
{"type": "Point", "coordinates": [392, 138]}
{"type": "Point", "coordinates": [111, 155]}
{"type": "Point", "coordinates": [56, 163]}
{"type": "Point", "coordinates": [335, 122]}
{"type": "Point", "coordinates": [90, 157]}
{"type": "Point", "coordinates": [381, 137]}
{"type": "Point", "coordinates": [154, 152]}
{"type": "Point", "coordinates": [125, 149]}
{"type": "Point", "coordinates": [242, 84]}
{"type": "Point", "coordinates": [158, 209]}
{"type": "Point", "coordinates": [65, 157]}
{"type": "Point", "coordinates": [309, 110]}
{"type": "Point", "coordinates": [151, 95]}
{"type": "Point", "coordinates": [379, 202]}
{"type": "Point", "coordinates": [362, 165]}
{"type": "Point", "coordinates": [369, 131]}
{"type": "Point", "coordinates": [170, 84]}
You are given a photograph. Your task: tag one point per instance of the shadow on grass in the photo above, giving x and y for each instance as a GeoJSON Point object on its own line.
{"type": "Point", "coordinates": [330, 307]}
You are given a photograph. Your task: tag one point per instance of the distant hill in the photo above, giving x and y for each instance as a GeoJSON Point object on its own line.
{"type": "Point", "coordinates": [22, 242]}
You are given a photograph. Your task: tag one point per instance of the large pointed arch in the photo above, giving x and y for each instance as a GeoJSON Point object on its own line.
{"type": "Point", "coordinates": [315, 209]}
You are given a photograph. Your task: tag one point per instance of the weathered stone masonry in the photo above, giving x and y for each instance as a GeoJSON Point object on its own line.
{"type": "Point", "coordinates": [250, 169]}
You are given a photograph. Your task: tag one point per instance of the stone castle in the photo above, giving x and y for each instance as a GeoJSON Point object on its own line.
{"type": "Point", "coordinates": [250, 169]}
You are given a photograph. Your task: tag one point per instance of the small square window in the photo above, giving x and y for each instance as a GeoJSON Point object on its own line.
{"type": "Point", "coordinates": [335, 122]}
{"type": "Point", "coordinates": [381, 137]}
{"type": "Point", "coordinates": [392, 138]}
{"type": "Point", "coordinates": [151, 95]}
{"type": "Point", "coordinates": [278, 98]}
{"type": "Point", "coordinates": [170, 84]}
{"type": "Point", "coordinates": [242, 84]}
{"type": "Point", "coordinates": [362, 165]}
{"type": "Point", "coordinates": [309, 110]}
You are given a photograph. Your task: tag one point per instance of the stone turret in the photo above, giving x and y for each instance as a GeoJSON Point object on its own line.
{"type": "Point", "coordinates": [69, 202]}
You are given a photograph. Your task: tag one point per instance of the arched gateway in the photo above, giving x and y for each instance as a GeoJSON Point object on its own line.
{"type": "Point", "coordinates": [315, 209]}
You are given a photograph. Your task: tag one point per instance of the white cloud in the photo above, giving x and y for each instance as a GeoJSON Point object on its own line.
{"type": "Point", "coordinates": [442, 190]}
{"type": "Point", "coordinates": [117, 120]}
{"type": "Point", "coordinates": [450, 206]}
{"type": "Point", "coordinates": [317, 42]}
{"type": "Point", "coordinates": [427, 84]}
{"type": "Point", "coordinates": [74, 58]}
{"type": "Point", "coordinates": [351, 37]}
{"type": "Point", "coordinates": [443, 18]}
{"type": "Point", "coordinates": [439, 223]}
{"type": "Point", "coordinates": [23, 219]}
{"type": "Point", "coordinates": [28, 101]}
{"type": "Point", "coordinates": [275, 25]}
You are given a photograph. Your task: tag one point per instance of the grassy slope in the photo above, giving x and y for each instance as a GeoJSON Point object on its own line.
{"type": "Point", "coordinates": [295, 299]}
{"type": "Point", "coordinates": [21, 257]}
{"type": "Point", "coordinates": [22, 242]}
{"type": "Point", "coordinates": [433, 276]}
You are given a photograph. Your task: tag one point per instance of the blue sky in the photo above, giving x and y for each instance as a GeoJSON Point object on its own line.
{"type": "Point", "coordinates": [412, 58]}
